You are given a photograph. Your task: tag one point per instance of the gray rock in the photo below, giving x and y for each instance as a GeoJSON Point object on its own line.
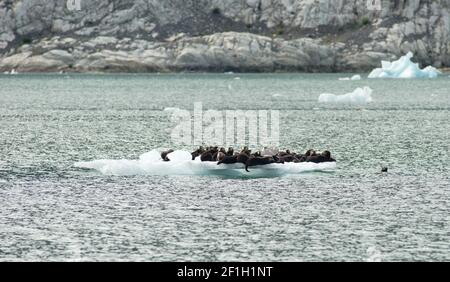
{"type": "Point", "coordinates": [254, 35]}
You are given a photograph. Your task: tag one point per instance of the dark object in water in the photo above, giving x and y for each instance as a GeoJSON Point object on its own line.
{"type": "Point", "coordinates": [384, 169]}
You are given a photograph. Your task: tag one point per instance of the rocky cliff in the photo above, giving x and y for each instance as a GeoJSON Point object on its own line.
{"type": "Point", "coordinates": [220, 35]}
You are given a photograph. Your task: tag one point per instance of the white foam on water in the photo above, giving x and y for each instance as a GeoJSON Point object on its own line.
{"type": "Point", "coordinates": [359, 96]}
{"type": "Point", "coordinates": [182, 164]}
{"type": "Point", "coordinates": [403, 68]}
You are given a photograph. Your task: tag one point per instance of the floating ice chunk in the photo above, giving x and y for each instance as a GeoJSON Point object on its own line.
{"type": "Point", "coordinates": [151, 156]}
{"type": "Point", "coordinates": [268, 152]}
{"type": "Point", "coordinates": [171, 109]}
{"type": "Point", "coordinates": [359, 96]}
{"type": "Point", "coordinates": [179, 156]}
{"type": "Point", "coordinates": [355, 77]}
{"type": "Point", "coordinates": [13, 72]}
{"type": "Point", "coordinates": [403, 68]}
{"type": "Point", "coordinates": [181, 164]}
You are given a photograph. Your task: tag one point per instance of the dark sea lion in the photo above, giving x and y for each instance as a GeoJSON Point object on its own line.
{"type": "Point", "coordinates": [287, 158]}
{"type": "Point", "coordinates": [246, 151]}
{"type": "Point", "coordinates": [278, 159]}
{"type": "Point", "coordinates": [327, 156]}
{"type": "Point", "coordinates": [257, 154]}
{"type": "Point", "coordinates": [164, 155]}
{"type": "Point", "coordinates": [230, 151]}
{"type": "Point", "coordinates": [297, 158]}
{"type": "Point", "coordinates": [285, 153]}
{"type": "Point", "coordinates": [228, 160]}
{"type": "Point", "coordinates": [254, 161]}
{"type": "Point", "coordinates": [310, 153]}
{"type": "Point", "coordinates": [197, 152]}
{"type": "Point", "coordinates": [242, 158]}
{"type": "Point", "coordinates": [209, 155]}
{"type": "Point", "coordinates": [322, 158]}
{"type": "Point", "coordinates": [206, 156]}
{"type": "Point", "coordinates": [220, 153]}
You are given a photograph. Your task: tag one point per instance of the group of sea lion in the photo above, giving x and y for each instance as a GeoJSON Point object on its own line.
{"type": "Point", "coordinates": [246, 157]}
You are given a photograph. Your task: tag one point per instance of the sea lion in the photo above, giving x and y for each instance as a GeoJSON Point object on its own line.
{"type": "Point", "coordinates": [230, 152]}
{"type": "Point", "coordinates": [197, 152]}
{"type": "Point", "coordinates": [256, 154]}
{"type": "Point", "coordinates": [246, 151]}
{"type": "Point", "coordinates": [287, 158]}
{"type": "Point", "coordinates": [228, 160]}
{"type": "Point", "coordinates": [242, 158]}
{"type": "Point", "coordinates": [219, 154]}
{"type": "Point", "coordinates": [322, 158]}
{"type": "Point", "coordinates": [327, 156]}
{"type": "Point", "coordinates": [254, 161]}
{"type": "Point", "coordinates": [304, 157]}
{"type": "Point", "coordinates": [285, 153]}
{"type": "Point", "coordinates": [164, 155]}
{"type": "Point", "coordinates": [208, 155]}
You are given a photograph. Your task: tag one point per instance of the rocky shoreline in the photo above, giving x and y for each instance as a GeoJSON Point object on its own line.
{"type": "Point", "coordinates": [173, 36]}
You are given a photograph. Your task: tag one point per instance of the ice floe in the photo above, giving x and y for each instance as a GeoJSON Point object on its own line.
{"type": "Point", "coordinates": [182, 164]}
{"type": "Point", "coordinates": [171, 109]}
{"type": "Point", "coordinates": [403, 68]}
{"type": "Point", "coordinates": [359, 96]}
{"type": "Point", "coordinates": [355, 77]}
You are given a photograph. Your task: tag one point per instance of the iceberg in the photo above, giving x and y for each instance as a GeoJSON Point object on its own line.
{"type": "Point", "coordinates": [182, 164]}
{"type": "Point", "coordinates": [171, 109]}
{"type": "Point", "coordinates": [403, 68]}
{"type": "Point", "coordinates": [359, 96]}
{"type": "Point", "coordinates": [355, 77]}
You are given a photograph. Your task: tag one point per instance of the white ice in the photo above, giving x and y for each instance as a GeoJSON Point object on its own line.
{"type": "Point", "coordinates": [359, 96]}
{"type": "Point", "coordinates": [171, 109]}
{"type": "Point", "coordinates": [403, 68]}
{"type": "Point", "coordinates": [181, 164]}
{"type": "Point", "coordinates": [355, 77]}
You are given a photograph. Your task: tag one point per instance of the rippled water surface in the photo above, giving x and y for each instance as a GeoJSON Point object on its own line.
{"type": "Point", "coordinates": [51, 210]}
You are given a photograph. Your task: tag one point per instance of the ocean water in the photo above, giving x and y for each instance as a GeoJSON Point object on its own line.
{"type": "Point", "coordinates": [52, 210]}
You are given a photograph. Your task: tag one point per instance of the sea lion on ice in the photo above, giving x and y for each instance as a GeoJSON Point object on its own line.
{"type": "Point", "coordinates": [164, 155]}
{"type": "Point", "coordinates": [254, 161]}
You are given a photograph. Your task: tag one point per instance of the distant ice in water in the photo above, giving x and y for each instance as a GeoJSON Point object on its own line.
{"type": "Point", "coordinates": [403, 68]}
{"type": "Point", "coordinates": [355, 77]}
{"type": "Point", "coordinates": [171, 109]}
{"type": "Point", "coordinates": [13, 72]}
{"type": "Point", "coordinates": [181, 164]}
{"type": "Point", "coordinates": [359, 96]}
